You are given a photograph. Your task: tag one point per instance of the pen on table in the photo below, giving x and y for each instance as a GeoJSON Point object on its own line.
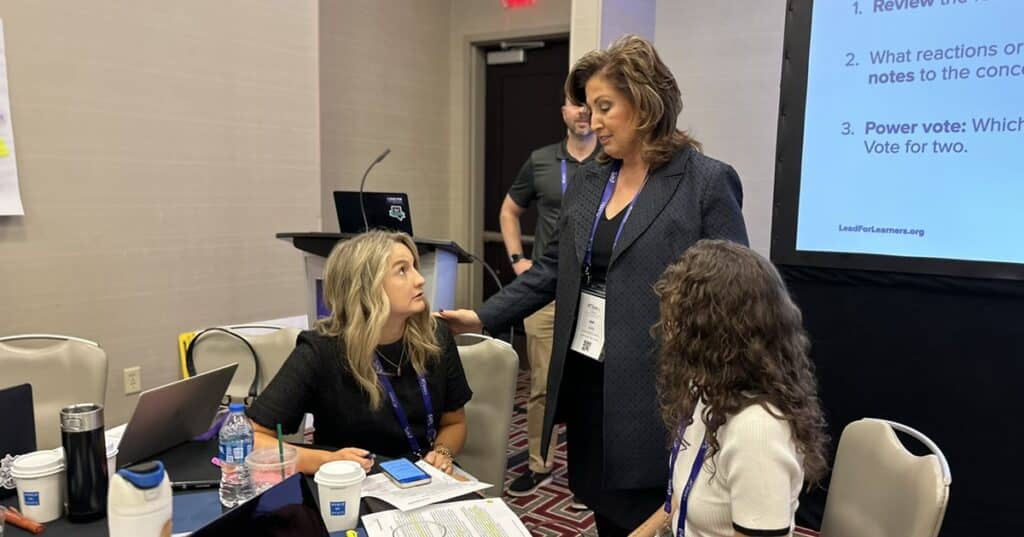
{"type": "Point", "coordinates": [195, 485]}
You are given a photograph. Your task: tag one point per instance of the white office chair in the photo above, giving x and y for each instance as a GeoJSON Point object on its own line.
{"type": "Point", "coordinates": [62, 370]}
{"type": "Point", "coordinates": [491, 367]}
{"type": "Point", "coordinates": [270, 344]}
{"type": "Point", "coordinates": [879, 489]}
{"type": "Point", "coordinates": [219, 346]}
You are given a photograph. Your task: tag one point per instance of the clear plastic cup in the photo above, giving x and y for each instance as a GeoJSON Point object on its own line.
{"type": "Point", "coordinates": [266, 468]}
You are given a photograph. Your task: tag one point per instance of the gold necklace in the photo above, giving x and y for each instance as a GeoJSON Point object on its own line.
{"type": "Point", "coordinates": [401, 360]}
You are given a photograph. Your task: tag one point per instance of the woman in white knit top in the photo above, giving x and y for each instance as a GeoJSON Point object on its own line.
{"type": "Point", "coordinates": [736, 386]}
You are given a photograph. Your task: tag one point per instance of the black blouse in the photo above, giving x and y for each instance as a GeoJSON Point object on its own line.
{"type": "Point", "coordinates": [316, 378]}
{"type": "Point", "coordinates": [604, 240]}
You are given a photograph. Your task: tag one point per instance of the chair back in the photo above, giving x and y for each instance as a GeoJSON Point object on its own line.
{"type": "Point", "coordinates": [491, 367]}
{"type": "Point", "coordinates": [879, 489]}
{"type": "Point", "coordinates": [62, 370]}
{"type": "Point", "coordinates": [259, 350]}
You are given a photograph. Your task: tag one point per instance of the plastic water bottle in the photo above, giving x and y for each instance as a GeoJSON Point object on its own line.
{"type": "Point", "coordinates": [236, 440]}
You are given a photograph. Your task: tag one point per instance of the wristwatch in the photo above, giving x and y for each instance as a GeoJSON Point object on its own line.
{"type": "Point", "coordinates": [515, 258]}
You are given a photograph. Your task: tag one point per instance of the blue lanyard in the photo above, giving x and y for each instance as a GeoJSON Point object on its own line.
{"type": "Point", "coordinates": [565, 179]}
{"type": "Point", "coordinates": [609, 189]}
{"type": "Point", "coordinates": [400, 413]}
{"type": "Point", "coordinates": [684, 498]}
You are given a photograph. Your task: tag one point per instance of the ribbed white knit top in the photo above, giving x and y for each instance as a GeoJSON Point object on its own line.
{"type": "Point", "coordinates": [758, 476]}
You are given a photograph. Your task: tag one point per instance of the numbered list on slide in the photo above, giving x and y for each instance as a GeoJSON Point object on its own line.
{"type": "Point", "coordinates": [914, 130]}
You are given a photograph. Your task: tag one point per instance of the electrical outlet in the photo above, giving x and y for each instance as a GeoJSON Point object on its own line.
{"type": "Point", "coordinates": [132, 380]}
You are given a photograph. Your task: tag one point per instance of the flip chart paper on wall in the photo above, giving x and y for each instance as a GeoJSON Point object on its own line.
{"type": "Point", "coordinates": [10, 195]}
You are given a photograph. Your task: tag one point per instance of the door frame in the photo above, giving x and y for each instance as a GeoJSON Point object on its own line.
{"type": "Point", "coordinates": [471, 154]}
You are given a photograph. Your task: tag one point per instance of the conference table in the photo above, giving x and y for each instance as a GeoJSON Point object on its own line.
{"type": "Point", "coordinates": [188, 462]}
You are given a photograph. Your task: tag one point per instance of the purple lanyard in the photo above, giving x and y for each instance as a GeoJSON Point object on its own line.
{"type": "Point", "coordinates": [684, 498]}
{"type": "Point", "coordinates": [400, 413]}
{"type": "Point", "coordinates": [565, 180]}
{"type": "Point", "coordinates": [609, 189]}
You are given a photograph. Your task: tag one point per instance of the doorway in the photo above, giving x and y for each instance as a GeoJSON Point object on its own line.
{"type": "Point", "coordinates": [522, 112]}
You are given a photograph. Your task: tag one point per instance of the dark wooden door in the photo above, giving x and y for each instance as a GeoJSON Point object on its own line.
{"type": "Point", "coordinates": [523, 112]}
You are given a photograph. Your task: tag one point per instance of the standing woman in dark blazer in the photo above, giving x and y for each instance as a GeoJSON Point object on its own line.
{"type": "Point", "coordinates": [625, 218]}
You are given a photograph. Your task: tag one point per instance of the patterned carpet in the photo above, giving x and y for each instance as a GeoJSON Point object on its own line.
{"type": "Point", "coordinates": [547, 512]}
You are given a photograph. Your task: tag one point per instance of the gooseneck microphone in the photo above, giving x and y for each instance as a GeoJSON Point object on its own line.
{"type": "Point", "coordinates": [362, 208]}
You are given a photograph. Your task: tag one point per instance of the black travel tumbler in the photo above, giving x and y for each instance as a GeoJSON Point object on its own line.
{"type": "Point", "coordinates": [85, 459]}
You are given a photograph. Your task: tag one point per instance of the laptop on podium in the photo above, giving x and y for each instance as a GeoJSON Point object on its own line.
{"type": "Point", "coordinates": [384, 210]}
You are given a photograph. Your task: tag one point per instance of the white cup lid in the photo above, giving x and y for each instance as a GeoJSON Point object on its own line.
{"type": "Point", "coordinates": [340, 474]}
{"type": "Point", "coordinates": [111, 448]}
{"type": "Point", "coordinates": [38, 464]}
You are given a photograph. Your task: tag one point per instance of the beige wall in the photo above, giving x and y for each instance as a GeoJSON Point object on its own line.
{"type": "Point", "coordinates": [384, 84]}
{"type": "Point", "coordinates": [727, 57]}
{"type": "Point", "coordinates": [160, 147]}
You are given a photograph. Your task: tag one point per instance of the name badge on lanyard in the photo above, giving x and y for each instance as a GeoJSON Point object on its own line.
{"type": "Point", "coordinates": [589, 337]}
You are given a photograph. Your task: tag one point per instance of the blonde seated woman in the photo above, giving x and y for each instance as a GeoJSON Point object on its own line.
{"type": "Point", "coordinates": [738, 391]}
{"type": "Point", "coordinates": [379, 362]}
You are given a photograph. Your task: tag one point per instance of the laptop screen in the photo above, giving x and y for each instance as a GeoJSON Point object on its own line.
{"type": "Point", "coordinates": [18, 426]}
{"type": "Point", "coordinates": [384, 210]}
{"type": "Point", "coordinates": [287, 509]}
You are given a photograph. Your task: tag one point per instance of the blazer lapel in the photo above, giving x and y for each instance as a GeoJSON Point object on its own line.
{"type": "Point", "coordinates": [651, 201]}
{"type": "Point", "coordinates": [586, 206]}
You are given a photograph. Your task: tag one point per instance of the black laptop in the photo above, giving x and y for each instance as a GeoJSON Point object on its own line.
{"type": "Point", "coordinates": [18, 427]}
{"type": "Point", "coordinates": [287, 509]}
{"type": "Point", "coordinates": [384, 210]}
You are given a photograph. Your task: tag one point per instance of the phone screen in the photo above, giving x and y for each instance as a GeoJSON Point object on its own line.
{"type": "Point", "coordinates": [404, 473]}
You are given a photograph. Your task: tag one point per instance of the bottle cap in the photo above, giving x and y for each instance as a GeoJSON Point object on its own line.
{"type": "Point", "coordinates": [145, 475]}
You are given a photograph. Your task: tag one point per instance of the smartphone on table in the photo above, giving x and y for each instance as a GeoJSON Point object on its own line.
{"type": "Point", "coordinates": [404, 473]}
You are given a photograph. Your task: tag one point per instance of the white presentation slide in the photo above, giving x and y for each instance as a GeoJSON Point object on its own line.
{"type": "Point", "coordinates": [914, 130]}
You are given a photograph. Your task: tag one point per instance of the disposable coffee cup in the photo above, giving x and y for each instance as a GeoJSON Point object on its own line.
{"type": "Point", "coordinates": [39, 477]}
{"type": "Point", "coordinates": [112, 457]}
{"type": "Point", "coordinates": [339, 484]}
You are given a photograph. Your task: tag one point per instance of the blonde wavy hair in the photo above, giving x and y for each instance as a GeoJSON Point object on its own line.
{"type": "Point", "coordinates": [354, 291]}
{"type": "Point", "coordinates": [732, 337]}
{"type": "Point", "coordinates": [634, 68]}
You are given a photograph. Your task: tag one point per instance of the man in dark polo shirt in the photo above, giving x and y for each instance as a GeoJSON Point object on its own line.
{"type": "Point", "coordinates": [542, 179]}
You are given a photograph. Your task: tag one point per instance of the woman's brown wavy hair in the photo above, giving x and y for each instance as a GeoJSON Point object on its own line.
{"type": "Point", "coordinates": [732, 337]}
{"type": "Point", "coordinates": [633, 67]}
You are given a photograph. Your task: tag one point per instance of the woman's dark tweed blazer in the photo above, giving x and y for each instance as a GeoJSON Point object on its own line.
{"type": "Point", "coordinates": [692, 197]}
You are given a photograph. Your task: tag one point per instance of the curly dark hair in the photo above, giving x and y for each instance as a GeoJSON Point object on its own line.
{"type": "Point", "coordinates": [633, 66]}
{"type": "Point", "coordinates": [732, 337]}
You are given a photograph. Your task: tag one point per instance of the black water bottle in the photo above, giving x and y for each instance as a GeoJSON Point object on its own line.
{"type": "Point", "coordinates": [85, 459]}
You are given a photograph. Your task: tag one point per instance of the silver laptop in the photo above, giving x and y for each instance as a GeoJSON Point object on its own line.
{"type": "Point", "coordinates": [172, 414]}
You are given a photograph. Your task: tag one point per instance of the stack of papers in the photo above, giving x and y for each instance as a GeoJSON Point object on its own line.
{"type": "Point", "coordinates": [473, 518]}
{"type": "Point", "coordinates": [441, 487]}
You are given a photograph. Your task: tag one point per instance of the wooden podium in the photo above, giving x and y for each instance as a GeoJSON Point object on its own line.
{"type": "Point", "coordinates": [438, 264]}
